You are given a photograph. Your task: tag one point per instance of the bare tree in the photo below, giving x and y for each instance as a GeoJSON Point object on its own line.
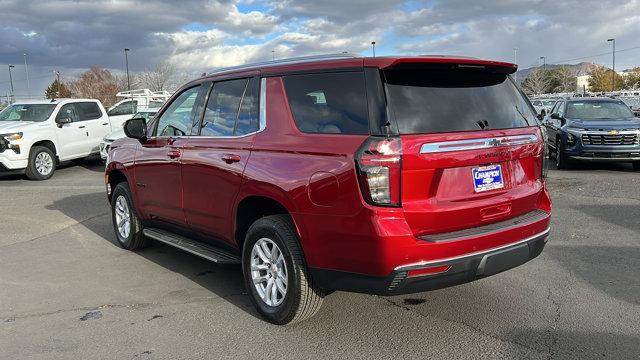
{"type": "Point", "coordinates": [157, 79]}
{"type": "Point", "coordinates": [565, 79]}
{"type": "Point", "coordinates": [537, 82]}
{"type": "Point", "coordinates": [95, 83]}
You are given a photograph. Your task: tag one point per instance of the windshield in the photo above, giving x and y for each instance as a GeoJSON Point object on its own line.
{"type": "Point", "coordinates": [598, 110]}
{"type": "Point", "coordinates": [27, 112]}
{"type": "Point", "coordinates": [427, 101]}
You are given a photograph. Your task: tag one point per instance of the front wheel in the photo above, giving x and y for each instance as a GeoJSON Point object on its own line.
{"type": "Point", "coordinates": [275, 272]}
{"type": "Point", "coordinates": [42, 163]}
{"type": "Point", "coordinates": [126, 223]}
{"type": "Point", "coordinates": [562, 161]}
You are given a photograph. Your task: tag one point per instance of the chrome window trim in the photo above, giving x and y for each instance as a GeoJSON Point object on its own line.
{"type": "Point", "coordinates": [262, 120]}
{"type": "Point", "coordinates": [476, 144]}
{"type": "Point", "coordinates": [430, 263]}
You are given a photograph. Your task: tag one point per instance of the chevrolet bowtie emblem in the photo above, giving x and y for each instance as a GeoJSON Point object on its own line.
{"type": "Point", "coordinates": [613, 132]}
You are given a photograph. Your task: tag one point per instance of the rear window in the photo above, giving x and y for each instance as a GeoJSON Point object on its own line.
{"type": "Point", "coordinates": [434, 101]}
{"type": "Point", "coordinates": [328, 103]}
{"type": "Point", "coordinates": [88, 111]}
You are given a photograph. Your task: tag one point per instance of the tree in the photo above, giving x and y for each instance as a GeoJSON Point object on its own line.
{"type": "Point", "coordinates": [57, 90]}
{"type": "Point", "coordinates": [157, 79]}
{"type": "Point", "coordinates": [537, 82]}
{"type": "Point", "coordinates": [563, 79]}
{"type": "Point", "coordinates": [96, 83]}
{"type": "Point", "coordinates": [632, 80]}
{"type": "Point", "coordinates": [601, 78]}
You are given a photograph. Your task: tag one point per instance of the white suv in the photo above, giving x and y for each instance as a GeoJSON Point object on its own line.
{"type": "Point", "coordinates": [36, 135]}
{"type": "Point", "coordinates": [135, 101]}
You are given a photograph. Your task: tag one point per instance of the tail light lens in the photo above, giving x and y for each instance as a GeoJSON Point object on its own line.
{"type": "Point", "coordinates": [379, 163]}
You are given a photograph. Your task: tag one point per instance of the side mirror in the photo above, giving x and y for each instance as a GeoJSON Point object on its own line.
{"type": "Point", "coordinates": [555, 116]}
{"type": "Point", "coordinates": [63, 120]}
{"type": "Point", "coordinates": [136, 129]}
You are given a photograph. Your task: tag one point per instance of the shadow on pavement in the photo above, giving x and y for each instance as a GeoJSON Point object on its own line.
{"type": "Point", "coordinates": [584, 345]}
{"type": "Point", "coordinates": [590, 166]}
{"type": "Point", "coordinates": [617, 277]}
{"type": "Point", "coordinates": [223, 281]}
{"type": "Point", "coordinates": [627, 216]}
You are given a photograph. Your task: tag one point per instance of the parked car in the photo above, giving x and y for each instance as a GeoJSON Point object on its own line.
{"type": "Point", "coordinates": [135, 101]}
{"type": "Point", "coordinates": [543, 104]}
{"type": "Point", "coordinates": [374, 175]}
{"type": "Point", "coordinates": [36, 135]}
{"type": "Point", "coordinates": [593, 129]}
{"type": "Point", "coordinates": [105, 144]}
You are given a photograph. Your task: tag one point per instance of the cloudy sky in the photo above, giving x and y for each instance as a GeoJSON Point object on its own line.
{"type": "Point", "coordinates": [198, 35]}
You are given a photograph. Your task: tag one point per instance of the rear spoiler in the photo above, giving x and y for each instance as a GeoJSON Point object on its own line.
{"type": "Point", "coordinates": [443, 63]}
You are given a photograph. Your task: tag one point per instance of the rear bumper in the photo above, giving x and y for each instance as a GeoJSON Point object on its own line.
{"type": "Point", "coordinates": [461, 269]}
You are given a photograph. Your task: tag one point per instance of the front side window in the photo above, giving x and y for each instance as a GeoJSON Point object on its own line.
{"type": "Point", "coordinates": [221, 112]}
{"type": "Point", "coordinates": [126, 108]}
{"type": "Point", "coordinates": [328, 103]}
{"type": "Point", "coordinates": [27, 112]}
{"type": "Point", "coordinates": [68, 111]}
{"type": "Point", "coordinates": [434, 101]}
{"type": "Point", "coordinates": [598, 110]}
{"type": "Point", "coordinates": [177, 120]}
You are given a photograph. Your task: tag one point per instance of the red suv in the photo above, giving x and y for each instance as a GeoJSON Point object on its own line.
{"type": "Point", "coordinates": [384, 175]}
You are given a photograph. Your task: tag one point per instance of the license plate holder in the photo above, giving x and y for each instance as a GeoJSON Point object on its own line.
{"type": "Point", "coordinates": [488, 177]}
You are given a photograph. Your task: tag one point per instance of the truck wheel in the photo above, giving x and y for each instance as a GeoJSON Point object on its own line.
{"type": "Point", "coordinates": [275, 272]}
{"type": "Point", "coordinates": [42, 163]}
{"type": "Point", "coordinates": [562, 162]}
{"type": "Point", "coordinates": [126, 223]}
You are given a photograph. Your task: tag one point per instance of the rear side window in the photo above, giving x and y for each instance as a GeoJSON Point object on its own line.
{"type": "Point", "coordinates": [88, 111]}
{"type": "Point", "coordinates": [434, 101]}
{"type": "Point", "coordinates": [328, 103]}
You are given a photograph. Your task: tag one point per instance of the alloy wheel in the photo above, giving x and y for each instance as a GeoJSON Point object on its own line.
{"type": "Point", "coordinates": [44, 163]}
{"type": "Point", "coordinates": [269, 272]}
{"type": "Point", "coordinates": [123, 217]}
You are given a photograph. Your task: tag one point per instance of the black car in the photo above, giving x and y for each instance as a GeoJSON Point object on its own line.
{"type": "Point", "coordinates": [593, 129]}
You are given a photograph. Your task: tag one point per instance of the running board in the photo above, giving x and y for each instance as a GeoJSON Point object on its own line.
{"type": "Point", "coordinates": [206, 251]}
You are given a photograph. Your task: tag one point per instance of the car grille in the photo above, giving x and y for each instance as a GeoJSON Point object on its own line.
{"type": "Point", "coordinates": [610, 139]}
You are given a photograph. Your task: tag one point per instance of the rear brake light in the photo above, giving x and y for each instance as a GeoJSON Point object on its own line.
{"type": "Point", "coordinates": [545, 154]}
{"type": "Point", "coordinates": [379, 163]}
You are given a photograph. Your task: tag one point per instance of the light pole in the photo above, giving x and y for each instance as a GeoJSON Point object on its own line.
{"type": "Point", "coordinates": [26, 70]}
{"type": "Point", "coordinates": [544, 62]}
{"type": "Point", "coordinates": [373, 48]}
{"type": "Point", "coordinates": [13, 97]}
{"type": "Point", "coordinates": [126, 60]}
{"type": "Point", "coordinates": [613, 73]}
{"type": "Point", "coordinates": [273, 55]}
{"type": "Point", "coordinates": [515, 61]}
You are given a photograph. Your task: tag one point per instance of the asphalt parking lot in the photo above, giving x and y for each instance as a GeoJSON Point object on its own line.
{"type": "Point", "coordinates": [67, 291]}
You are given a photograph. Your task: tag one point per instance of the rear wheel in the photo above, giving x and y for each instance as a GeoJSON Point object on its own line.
{"type": "Point", "coordinates": [562, 162]}
{"type": "Point", "coordinates": [42, 163]}
{"type": "Point", "coordinates": [126, 223]}
{"type": "Point", "coordinates": [275, 272]}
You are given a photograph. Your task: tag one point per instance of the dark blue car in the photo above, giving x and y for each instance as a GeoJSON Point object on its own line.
{"type": "Point", "coordinates": [593, 129]}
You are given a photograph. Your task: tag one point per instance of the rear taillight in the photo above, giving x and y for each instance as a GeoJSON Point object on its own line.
{"type": "Point", "coordinates": [379, 162]}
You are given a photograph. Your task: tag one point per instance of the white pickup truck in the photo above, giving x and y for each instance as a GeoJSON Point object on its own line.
{"type": "Point", "coordinates": [36, 135]}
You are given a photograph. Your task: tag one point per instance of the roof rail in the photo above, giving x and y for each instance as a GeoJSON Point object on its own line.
{"type": "Point", "coordinates": [288, 61]}
{"type": "Point", "coordinates": [143, 93]}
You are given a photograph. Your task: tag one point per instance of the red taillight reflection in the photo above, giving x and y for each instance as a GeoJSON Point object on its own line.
{"type": "Point", "coordinates": [429, 271]}
{"type": "Point", "coordinates": [379, 163]}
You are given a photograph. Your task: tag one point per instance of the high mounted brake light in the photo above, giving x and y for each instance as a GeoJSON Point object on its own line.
{"type": "Point", "coordinates": [379, 162]}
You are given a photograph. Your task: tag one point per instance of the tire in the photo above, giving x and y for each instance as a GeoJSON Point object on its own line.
{"type": "Point", "coordinates": [302, 299]}
{"type": "Point", "coordinates": [42, 163]}
{"type": "Point", "coordinates": [562, 162]}
{"type": "Point", "coordinates": [130, 235]}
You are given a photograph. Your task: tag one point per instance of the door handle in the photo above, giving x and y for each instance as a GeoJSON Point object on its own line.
{"type": "Point", "coordinates": [81, 127]}
{"type": "Point", "coordinates": [174, 153]}
{"type": "Point", "coordinates": [105, 124]}
{"type": "Point", "coordinates": [230, 158]}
